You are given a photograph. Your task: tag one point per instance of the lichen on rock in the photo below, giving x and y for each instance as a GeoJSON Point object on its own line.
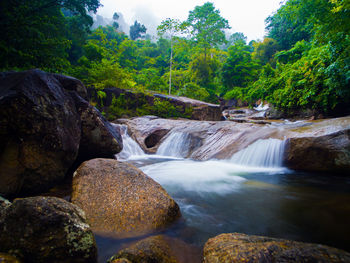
{"type": "Point", "coordinates": [47, 229]}
{"type": "Point", "coordinates": [235, 247]}
{"type": "Point", "coordinates": [120, 200]}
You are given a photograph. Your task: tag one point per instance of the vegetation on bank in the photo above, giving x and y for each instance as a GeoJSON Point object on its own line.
{"type": "Point", "coordinates": [302, 63]}
{"type": "Point", "coordinates": [124, 106]}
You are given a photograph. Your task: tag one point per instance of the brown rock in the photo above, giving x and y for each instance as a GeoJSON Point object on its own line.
{"type": "Point", "coordinates": [121, 260]}
{"type": "Point", "coordinates": [120, 200]}
{"type": "Point", "coordinates": [245, 248]}
{"type": "Point", "coordinates": [39, 132]}
{"type": "Point", "coordinates": [44, 123]}
{"type": "Point", "coordinates": [46, 229]}
{"type": "Point", "coordinates": [328, 153]}
{"type": "Point", "coordinates": [6, 258]}
{"type": "Point", "coordinates": [154, 138]}
{"type": "Point", "coordinates": [159, 249]}
{"type": "Point", "coordinates": [98, 137]}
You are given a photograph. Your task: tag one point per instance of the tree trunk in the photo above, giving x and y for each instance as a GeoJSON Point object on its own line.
{"type": "Point", "coordinates": [171, 62]}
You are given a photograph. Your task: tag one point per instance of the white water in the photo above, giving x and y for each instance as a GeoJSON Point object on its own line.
{"type": "Point", "coordinates": [262, 153]}
{"type": "Point", "coordinates": [188, 175]}
{"type": "Point", "coordinates": [177, 144]}
{"type": "Point", "coordinates": [131, 149]}
{"type": "Point", "coordinates": [261, 107]}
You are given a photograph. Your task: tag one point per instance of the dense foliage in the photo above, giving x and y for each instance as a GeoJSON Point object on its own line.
{"type": "Point", "coordinates": [302, 63]}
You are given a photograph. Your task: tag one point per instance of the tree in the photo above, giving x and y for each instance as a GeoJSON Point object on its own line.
{"type": "Point", "coordinates": [35, 32]}
{"type": "Point", "coordinates": [137, 30]}
{"type": "Point", "coordinates": [265, 50]}
{"type": "Point", "coordinates": [207, 26]}
{"type": "Point", "coordinates": [239, 68]}
{"type": "Point", "coordinates": [238, 36]}
{"type": "Point", "coordinates": [172, 27]}
{"type": "Point", "coordinates": [115, 18]}
{"type": "Point", "coordinates": [290, 24]}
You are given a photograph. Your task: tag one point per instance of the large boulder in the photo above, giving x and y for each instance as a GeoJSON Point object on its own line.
{"type": "Point", "coordinates": [44, 124]}
{"type": "Point", "coordinates": [98, 138]}
{"type": "Point", "coordinates": [39, 132]}
{"type": "Point", "coordinates": [120, 200]}
{"type": "Point", "coordinates": [327, 153]}
{"type": "Point", "coordinates": [158, 249]}
{"type": "Point", "coordinates": [46, 229]}
{"type": "Point", "coordinates": [245, 248]}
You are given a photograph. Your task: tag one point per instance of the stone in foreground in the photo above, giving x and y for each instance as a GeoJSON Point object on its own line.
{"type": "Point", "coordinates": [120, 200]}
{"type": "Point", "coordinates": [6, 258]}
{"type": "Point", "coordinates": [46, 229]}
{"type": "Point", "coordinates": [237, 247]}
{"type": "Point", "coordinates": [159, 249]}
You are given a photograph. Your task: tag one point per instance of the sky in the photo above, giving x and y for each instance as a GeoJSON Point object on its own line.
{"type": "Point", "coordinates": [245, 16]}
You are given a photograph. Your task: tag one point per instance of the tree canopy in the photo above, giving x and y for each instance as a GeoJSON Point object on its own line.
{"type": "Point", "coordinates": [39, 33]}
{"type": "Point", "coordinates": [303, 63]}
{"type": "Point", "coordinates": [137, 30]}
{"type": "Point", "coordinates": [207, 26]}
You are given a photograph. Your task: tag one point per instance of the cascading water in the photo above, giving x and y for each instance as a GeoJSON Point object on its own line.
{"type": "Point", "coordinates": [177, 144]}
{"type": "Point", "coordinates": [131, 148]}
{"type": "Point", "coordinates": [262, 153]}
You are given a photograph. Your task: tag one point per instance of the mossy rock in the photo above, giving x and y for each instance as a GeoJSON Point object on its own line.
{"type": "Point", "coordinates": [46, 229]}
{"type": "Point", "coordinates": [255, 249]}
{"type": "Point", "coordinates": [159, 249]}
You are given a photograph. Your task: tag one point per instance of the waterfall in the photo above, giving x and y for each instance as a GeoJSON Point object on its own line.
{"type": "Point", "coordinates": [262, 153]}
{"type": "Point", "coordinates": [131, 148]}
{"type": "Point", "coordinates": [177, 144]}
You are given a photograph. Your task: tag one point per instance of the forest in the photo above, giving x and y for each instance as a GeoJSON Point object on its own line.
{"type": "Point", "coordinates": [302, 63]}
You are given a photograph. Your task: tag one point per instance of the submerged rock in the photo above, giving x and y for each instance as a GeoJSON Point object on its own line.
{"type": "Point", "coordinates": [46, 229]}
{"type": "Point", "coordinates": [158, 249]}
{"type": "Point", "coordinates": [248, 248]}
{"type": "Point", "coordinates": [39, 132]}
{"type": "Point", "coordinates": [328, 153]}
{"type": "Point", "coordinates": [120, 200]}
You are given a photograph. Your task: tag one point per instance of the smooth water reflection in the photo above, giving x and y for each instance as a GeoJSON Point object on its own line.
{"type": "Point", "coordinates": [218, 197]}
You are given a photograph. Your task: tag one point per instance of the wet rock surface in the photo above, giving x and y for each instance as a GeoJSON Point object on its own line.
{"type": "Point", "coordinates": [322, 153]}
{"type": "Point", "coordinates": [245, 248]}
{"type": "Point", "coordinates": [158, 249]}
{"type": "Point", "coordinates": [46, 229]}
{"type": "Point", "coordinates": [208, 139]}
{"type": "Point", "coordinates": [321, 145]}
{"type": "Point", "coordinates": [120, 200]}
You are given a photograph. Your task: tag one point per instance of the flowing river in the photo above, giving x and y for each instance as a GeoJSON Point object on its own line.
{"type": "Point", "coordinates": [250, 193]}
